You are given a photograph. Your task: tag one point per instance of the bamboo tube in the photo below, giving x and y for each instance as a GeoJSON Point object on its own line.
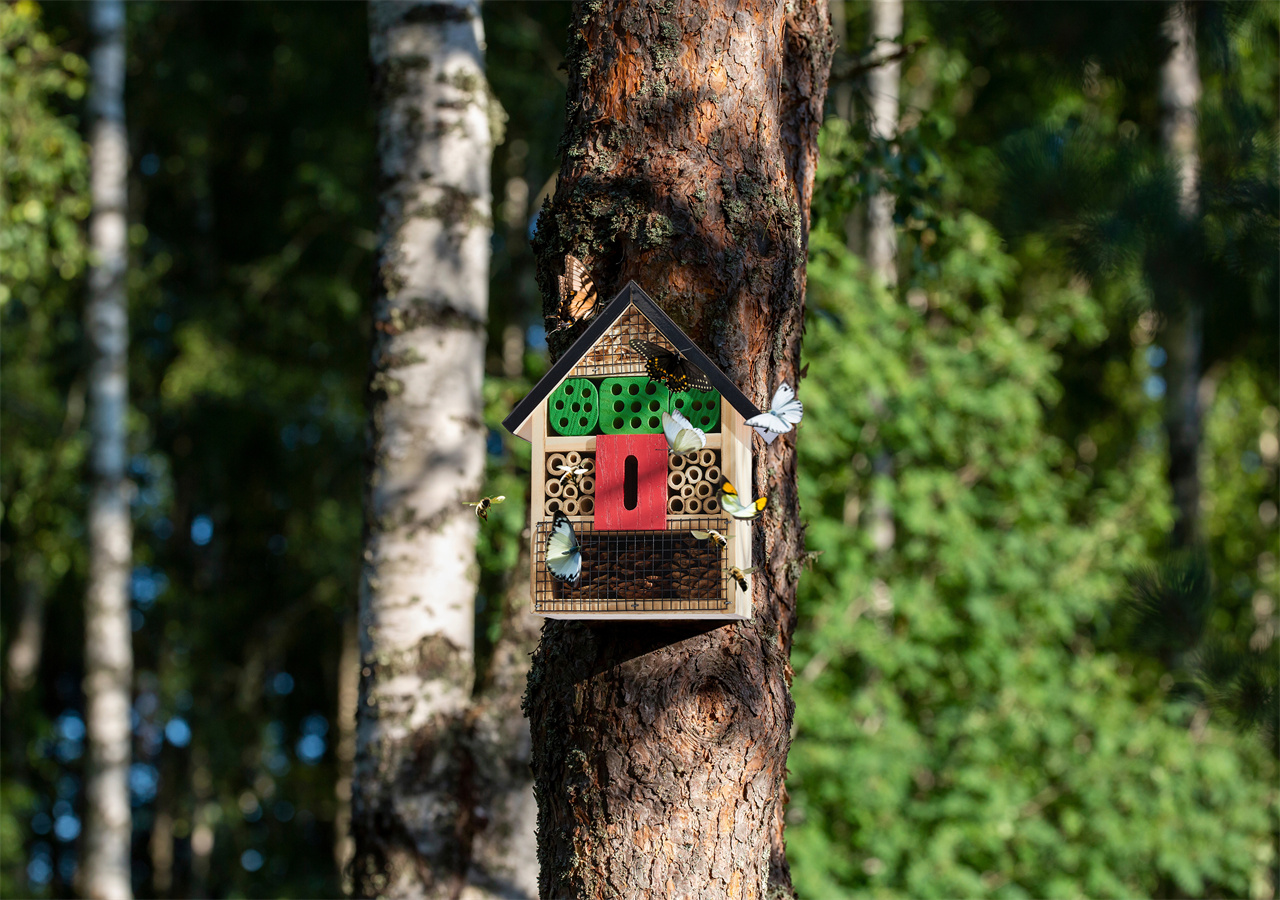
{"type": "Point", "coordinates": [713, 474]}
{"type": "Point", "coordinates": [587, 484]}
{"type": "Point", "coordinates": [707, 458]}
{"type": "Point", "coordinates": [554, 488]}
{"type": "Point", "coordinates": [552, 506]}
{"type": "Point", "coordinates": [692, 474]}
{"type": "Point", "coordinates": [702, 489]}
{"type": "Point", "coordinates": [586, 506]}
{"type": "Point", "coordinates": [573, 458]}
{"type": "Point", "coordinates": [570, 507]}
{"type": "Point", "coordinates": [675, 480]}
{"type": "Point", "coordinates": [676, 461]}
{"type": "Point", "coordinates": [692, 506]}
{"type": "Point", "coordinates": [569, 491]}
{"type": "Point", "coordinates": [711, 505]}
{"type": "Point", "coordinates": [553, 461]}
{"type": "Point", "coordinates": [675, 506]}
{"type": "Point", "coordinates": [686, 491]}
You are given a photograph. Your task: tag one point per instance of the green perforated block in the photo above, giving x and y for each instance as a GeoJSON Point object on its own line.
{"type": "Point", "coordinates": [701, 408]}
{"type": "Point", "coordinates": [632, 405]}
{"type": "Point", "coordinates": [574, 407]}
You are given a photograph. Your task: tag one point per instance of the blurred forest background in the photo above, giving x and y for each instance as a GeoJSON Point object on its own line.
{"type": "Point", "coordinates": [1015, 675]}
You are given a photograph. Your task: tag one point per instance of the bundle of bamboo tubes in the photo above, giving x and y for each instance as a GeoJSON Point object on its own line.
{"type": "Point", "coordinates": [564, 494]}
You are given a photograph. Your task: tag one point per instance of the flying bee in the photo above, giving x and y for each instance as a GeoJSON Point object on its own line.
{"type": "Point", "coordinates": [482, 505]}
{"type": "Point", "coordinates": [715, 536]}
{"type": "Point", "coordinates": [740, 575]}
{"type": "Point", "coordinates": [571, 473]}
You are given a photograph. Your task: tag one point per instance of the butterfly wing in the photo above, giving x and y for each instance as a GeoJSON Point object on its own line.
{"type": "Point", "coordinates": [694, 378]}
{"type": "Point", "coordinates": [734, 506]}
{"type": "Point", "coordinates": [564, 556]}
{"type": "Point", "coordinates": [770, 422]}
{"type": "Point", "coordinates": [671, 427]}
{"type": "Point", "coordinates": [689, 440]}
{"type": "Point", "coordinates": [578, 292]}
{"type": "Point", "coordinates": [785, 405]}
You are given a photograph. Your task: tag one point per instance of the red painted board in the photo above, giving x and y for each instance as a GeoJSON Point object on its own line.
{"type": "Point", "coordinates": [648, 490]}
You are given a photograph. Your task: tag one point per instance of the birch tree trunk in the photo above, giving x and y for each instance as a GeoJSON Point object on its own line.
{"type": "Point", "coordinates": [659, 753]}
{"type": "Point", "coordinates": [413, 817]}
{"type": "Point", "coordinates": [882, 88]}
{"type": "Point", "coordinates": [108, 635]}
{"type": "Point", "coordinates": [1184, 314]}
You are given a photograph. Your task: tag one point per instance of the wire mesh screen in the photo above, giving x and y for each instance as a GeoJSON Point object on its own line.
{"type": "Point", "coordinates": [612, 354]}
{"type": "Point", "coordinates": [640, 571]}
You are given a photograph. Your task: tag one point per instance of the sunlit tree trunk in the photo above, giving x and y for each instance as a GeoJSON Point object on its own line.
{"type": "Point", "coordinates": [108, 635]}
{"type": "Point", "coordinates": [1183, 336]}
{"type": "Point", "coordinates": [345, 750]}
{"type": "Point", "coordinates": [659, 753]}
{"type": "Point", "coordinates": [882, 90]}
{"type": "Point", "coordinates": [413, 818]}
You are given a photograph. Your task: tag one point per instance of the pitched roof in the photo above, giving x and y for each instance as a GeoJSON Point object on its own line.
{"type": "Point", "coordinates": [629, 295]}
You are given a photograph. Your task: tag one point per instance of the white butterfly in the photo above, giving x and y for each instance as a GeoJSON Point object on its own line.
{"type": "Point", "coordinates": [564, 555]}
{"type": "Point", "coordinates": [682, 437]}
{"type": "Point", "coordinates": [784, 411]}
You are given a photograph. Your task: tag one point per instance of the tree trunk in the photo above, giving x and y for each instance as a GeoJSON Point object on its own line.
{"type": "Point", "coordinates": [108, 635]}
{"type": "Point", "coordinates": [28, 641]}
{"type": "Point", "coordinates": [504, 860]}
{"type": "Point", "coordinates": [1183, 331]}
{"type": "Point", "coordinates": [882, 88]}
{"type": "Point", "coordinates": [345, 750]}
{"type": "Point", "coordinates": [659, 753]}
{"type": "Point", "coordinates": [412, 815]}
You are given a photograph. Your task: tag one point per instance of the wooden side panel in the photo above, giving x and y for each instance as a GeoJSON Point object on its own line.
{"type": "Point", "coordinates": [648, 453]}
{"type": "Point", "coordinates": [735, 457]}
{"type": "Point", "coordinates": [537, 490]}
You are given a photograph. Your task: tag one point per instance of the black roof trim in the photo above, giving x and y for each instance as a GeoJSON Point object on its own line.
{"type": "Point", "coordinates": [630, 294]}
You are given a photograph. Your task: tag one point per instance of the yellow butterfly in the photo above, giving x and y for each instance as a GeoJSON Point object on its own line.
{"type": "Point", "coordinates": [734, 506]}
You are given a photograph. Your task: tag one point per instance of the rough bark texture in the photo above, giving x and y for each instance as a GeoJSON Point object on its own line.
{"type": "Point", "coordinates": [1184, 332]}
{"type": "Point", "coordinates": [882, 89]}
{"type": "Point", "coordinates": [504, 859]}
{"type": "Point", "coordinates": [659, 753]}
{"type": "Point", "coordinates": [108, 635]}
{"type": "Point", "coordinates": [413, 817]}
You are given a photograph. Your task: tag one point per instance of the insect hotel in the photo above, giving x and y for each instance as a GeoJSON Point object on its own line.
{"type": "Point", "coordinates": [636, 530]}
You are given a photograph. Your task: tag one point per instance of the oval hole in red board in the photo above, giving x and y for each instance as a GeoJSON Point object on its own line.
{"type": "Point", "coordinates": [630, 482]}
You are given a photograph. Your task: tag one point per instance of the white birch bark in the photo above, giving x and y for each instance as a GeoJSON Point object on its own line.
{"type": "Point", "coordinates": [1183, 331]}
{"type": "Point", "coordinates": [883, 86]}
{"type": "Point", "coordinates": [883, 90]}
{"type": "Point", "coordinates": [108, 636]}
{"type": "Point", "coordinates": [412, 816]}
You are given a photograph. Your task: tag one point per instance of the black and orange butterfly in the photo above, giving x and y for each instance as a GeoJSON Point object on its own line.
{"type": "Point", "coordinates": [578, 298]}
{"type": "Point", "coordinates": [672, 369]}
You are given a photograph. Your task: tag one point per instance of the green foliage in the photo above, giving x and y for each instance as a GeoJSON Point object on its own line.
{"type": "Point", "coordinates": [43, 201]}
{"type": "Point", "coordinates": [983, 706]}
{"type": "Point", "coordinates": [958, 731]}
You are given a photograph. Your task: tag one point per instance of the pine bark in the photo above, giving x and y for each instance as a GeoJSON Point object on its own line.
{"type": "Point", "coordinates": [413, 813]}
{"type": "Point", "coordinates": [108, 633]}
{"type": "Point", "coordinates": [1183, 337]}
{"type": "Point", "coordinates": [659, 753]}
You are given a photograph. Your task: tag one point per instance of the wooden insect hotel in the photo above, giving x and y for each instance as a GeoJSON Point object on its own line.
{"type": "Point", "coordinates": [635, 506]}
